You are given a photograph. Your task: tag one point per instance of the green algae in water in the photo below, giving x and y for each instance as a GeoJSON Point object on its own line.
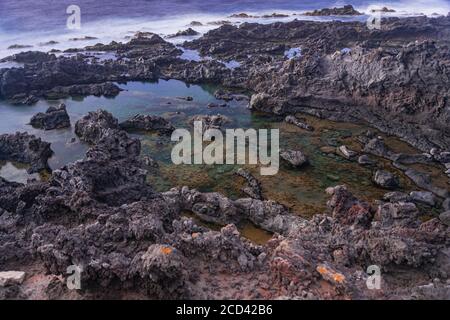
{"type": "Point", "coordinates": [302, 189]}
{"type": "Point", "coordinates": [247, 229]}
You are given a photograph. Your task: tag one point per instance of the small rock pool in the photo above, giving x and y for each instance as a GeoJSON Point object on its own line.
{"type": "Point", "coordinates": [300, 189]}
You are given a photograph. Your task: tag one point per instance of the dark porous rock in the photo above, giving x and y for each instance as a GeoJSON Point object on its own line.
{"type": "Point", "coordinates": [446, 204]}
{"type": "Point", "coordinates": [297, 122]}
{"type": "Point", "coordinates": [85, 38]}
{"type": "Point", "coordinates": [253, 190]}
{"type": "Point", "coordinates": [436, 290]}
{"type": "Point", "coordinates": [107, 89]}
{"type": "Point", "coordinates": [423, 197]}
{"type": "Point", "coordinates": [384, 9]}
{"type": "Point", "coordinates": [215, 105]}
{"type": "Point", "coordinates": [260, 101]}
{"type": "Point", "coordinates": [396, 196]}
{"type": "Point", "coordinates": [24, 99]}
{"type": "Point", "coordinates": [445, 218]}
{"type": "Point", "coordinates": [48, 43]}
{"type": "Point", "coordinates": [347, 153]}
{"type": "Point", "coordinates": [219, 23]}
{"type": "Point", "coordinates": [210, 121]}
{"type": "Point", "coordinates": [53, 118]}
{"type": "Point", "coordinates": [150, 162]}
{"type": "Point", "coordinates": [275, 15]}
{"type": "Point", "coordinates": [196, 24]}
{"type": "Point", "coordinates": [90, 128]}
{"type": "Point", "coordinates": [423, 180]}
{"type": "Point", "coordinates": [294, 158]}
{"type": "Point", "coordinates": [347, 10]}
{"type": "Point", "coordinates": [377, 147]}
{"type": "Point", "coordinates": [398, 214]}
{"type": "Point", "coordinates": [30, 57]}
{"type": "Point", "coordinates": [443, 157]}
{"type": "Point", "coordinates": [228, 96]}
{"type": "Point", "coordinates": [20, 46]}
{"type": "Point", "coordinates": [187, 32]}
{"type": "Point", "coordinates": [412, 158]}
{"type": "Point", "coordinates": [365, 160]}
{"type": "Point", "coordinates": [241, 15]}
{"type": "Point", "coordinates": [188, 98]}
{"type": "Point", "coordinates": [356, 212]}
{"type": "Point", "coordinates": [25, 148]}
{"type": "Point", "coordinates": [147, 123]}
{"type": "Point", "coordinates": [165, 270]}
{"type": "Point", "coordinates": [386, 179]}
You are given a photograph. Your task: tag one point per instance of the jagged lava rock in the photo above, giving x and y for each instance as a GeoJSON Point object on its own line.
{"type": "Point", "coordinates": [53, 118]}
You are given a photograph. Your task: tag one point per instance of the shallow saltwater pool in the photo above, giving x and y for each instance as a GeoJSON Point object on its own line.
{"type": "Point", "coordinates": [300, 189]}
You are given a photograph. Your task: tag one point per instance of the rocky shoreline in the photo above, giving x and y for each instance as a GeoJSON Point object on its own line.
{"type": "Point", "coordinates": [100, 213]}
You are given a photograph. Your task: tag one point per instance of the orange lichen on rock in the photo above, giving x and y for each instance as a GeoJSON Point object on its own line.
{"type": "Point", "coordinates": [339, 277]}
{"type": "Point", "coordinates": [330, 275]}
{"type": "Point", "coordinates": [166, 250]}
{"type": "Point", "coordinates": [195, 235]}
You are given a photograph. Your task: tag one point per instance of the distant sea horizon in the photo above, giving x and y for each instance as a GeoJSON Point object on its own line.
{"type": "Point", "coordinates": [35, 23]}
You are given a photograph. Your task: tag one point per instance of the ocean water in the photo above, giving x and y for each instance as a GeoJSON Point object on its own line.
{"type": "Point", "coordinates": [34, 23]}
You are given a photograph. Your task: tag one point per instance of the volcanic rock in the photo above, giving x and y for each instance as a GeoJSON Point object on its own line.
{"type": "Point", "coordinates": [295, 158]}
{"type": "Point", "coordinates": [53, 118]}
{"type": "Point", "coordinates": [423, 197]}
{"type": "Point", "coordinates": [90, 128]}
{"type": "Point", "coordinates": [147, 123]}
{"type": "Point", "coordinates": [25, 148]}
{"type": "Point", "coordinates": [347, 10]}
{"type": "Point", "coordinates": [386, 179]}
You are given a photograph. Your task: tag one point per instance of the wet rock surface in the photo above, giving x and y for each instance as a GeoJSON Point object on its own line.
{"type": "Point", "coordinates": [25, 148]}
{"type": "Point", "coordinates": [386, 179]}
{"type": "Point", "coordinates": [210, 121]}
{"type": "Point", "coordinates": [147, 123]}
{"type": "Point", "coordinates": [53, 118]}
{"type": "Point", "coordinates": [347, 10]}
{"type": "Point", "coordinates": [253, 190]}
{"type": "Point", "coordinates": [295, 158]}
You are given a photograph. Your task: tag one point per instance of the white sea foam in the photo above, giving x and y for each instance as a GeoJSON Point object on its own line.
{"type": "Point", "coordinates": [411, 7]}
{"type": "Point", "coordinates": [122, 29]}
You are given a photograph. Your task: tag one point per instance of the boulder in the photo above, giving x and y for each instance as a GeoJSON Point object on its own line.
{"type": "Point", "coordinates": [297, 122]}
{"type": "Point", "coordinates": [25, 148]}
{"type": "Point", "coordinates": [396, 196]}
{"type": "Point", "coordinates": [53, 118]}
{"type": "Point", "coordinates": [386, 179]}
{"type": "Point", "coordinates": [90, 128]}
{"type": "Point", "coordinates": [347, 10]}
{"type": "Point", "coordinates": [445, 218]}
{"type": "Point", "coordinates": [184, 33]}
{"type": "Point", "coordinates": [446, 204]}
{"type": "Point", "coordinates": [365, 160]}
{"type": "Point", "coordinates": [210, 121]}
{"type": "Point", "coordinates": [294, 158]}
{"type": "Point", "coordinates": [347, 153]}
{"type": "Point", "coordinates": [423, 197]}
{"type": "Point", "coordinates": [147, 123]}
{"type": "Point", "coordinates": [253, 190]}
